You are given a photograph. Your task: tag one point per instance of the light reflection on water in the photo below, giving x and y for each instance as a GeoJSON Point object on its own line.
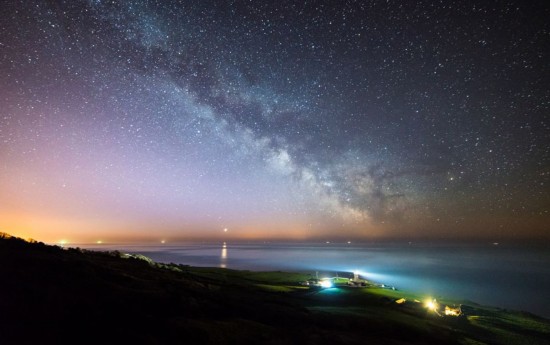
{"type": "Point", "coordinates": [223, 256]}
{"type": "Point", "coordinates": [516, 278]}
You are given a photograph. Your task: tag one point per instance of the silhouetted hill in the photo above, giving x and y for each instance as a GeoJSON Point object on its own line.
{"type": "Point", "coordinates": [51, 295]}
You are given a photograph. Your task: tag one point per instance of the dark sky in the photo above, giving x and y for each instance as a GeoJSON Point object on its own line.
{"type": "Point", "coordinates": [288, 119]}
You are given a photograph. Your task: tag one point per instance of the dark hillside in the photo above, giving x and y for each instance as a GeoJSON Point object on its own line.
{"type": "Point", "coordinates": [52, 295]}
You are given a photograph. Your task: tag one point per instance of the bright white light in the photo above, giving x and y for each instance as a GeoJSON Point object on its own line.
{"type": "Point", "coordinates": [225, 230]}
{"type": "Point", "coordinates": [326, 284]}
{"type": "Point", "coordinates": [358, 271]}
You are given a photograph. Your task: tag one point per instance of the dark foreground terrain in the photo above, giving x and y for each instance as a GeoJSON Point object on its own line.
{"type": "Point", "coordinates": [51, 295]}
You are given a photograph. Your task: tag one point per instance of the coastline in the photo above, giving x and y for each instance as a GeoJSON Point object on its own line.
{"type": "Point", "coordinates": [66, 293]}
{"type": "Point", "coordinates": [495, 275]}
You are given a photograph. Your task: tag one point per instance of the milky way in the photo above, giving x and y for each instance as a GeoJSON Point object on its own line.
{"type": "Point", "coordinates": [274, 119]}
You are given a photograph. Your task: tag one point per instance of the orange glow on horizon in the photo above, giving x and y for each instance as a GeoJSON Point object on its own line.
{"type": "Point", "coordinates": [54, 228]}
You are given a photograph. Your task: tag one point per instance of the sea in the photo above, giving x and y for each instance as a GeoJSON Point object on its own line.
{"type": "Point", "coordinates": [506, 276]}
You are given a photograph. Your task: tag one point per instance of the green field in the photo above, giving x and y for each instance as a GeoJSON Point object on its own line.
{"type": "Point", "coordinates": [477, 325]}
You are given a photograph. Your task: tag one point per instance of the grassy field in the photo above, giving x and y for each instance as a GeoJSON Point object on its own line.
{"type": "Point", "coordinates": [478, 324]}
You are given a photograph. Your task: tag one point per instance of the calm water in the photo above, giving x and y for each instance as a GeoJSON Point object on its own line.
{"type": "Point", "coordinates": [515, 278]}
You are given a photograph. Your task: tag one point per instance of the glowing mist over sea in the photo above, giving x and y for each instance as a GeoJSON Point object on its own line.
{"type": "Point", "coordinates": [503, 276]}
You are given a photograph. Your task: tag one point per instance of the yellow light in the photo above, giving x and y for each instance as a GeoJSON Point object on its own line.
{"type": "Point", "coordinates": [452, 311]}
{"type": "Point", "coordinates": [431, 305]}
{"type": "Point", "coordinates": [99, 242]}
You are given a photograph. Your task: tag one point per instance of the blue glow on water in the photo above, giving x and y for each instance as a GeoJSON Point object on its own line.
{"type": "Point", "coordinates": [515, 278]}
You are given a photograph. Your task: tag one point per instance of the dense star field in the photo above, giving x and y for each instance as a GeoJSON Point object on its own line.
{"type": "Point", "coordinates": [285, 119]}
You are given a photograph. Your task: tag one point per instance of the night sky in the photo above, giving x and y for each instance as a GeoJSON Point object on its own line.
{"type": "Point", "coordinates": [274, 119]}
